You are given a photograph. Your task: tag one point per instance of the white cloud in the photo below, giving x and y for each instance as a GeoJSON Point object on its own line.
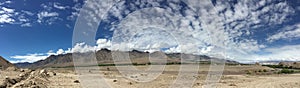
{"type": "Point", "coordinates": [195, 35]}
{"type": "Point", "coordinates": [103, 43]}
{"type": "Point", "coordinates": [47, 6]}
{"type": "Point", "coordinates": [28, 57]}
{"type": "Point", "coordinates": [26, 25]}
{"type": "Point", "coordinates": [289, 32]}
{"type": "Point", "coordinates": [5, 2]}
{"type": "Point", "coordinates": [79, 47]}
{"type": "Point", "coordinates": [38, 56]}
{"type": "Point", "coordinates": [52, 16]}
{"type": "Point", "coordinates": [181, 31]}
{"type": "Point", "coordinates": [282, 53]}
{"type": "Point", "coordinates": [27, 12]}
{"type": "Point", "coordinates": [58, 6]}
{"type": "Point", "coordinates": [6, 18]}
{"type": "Point", "coordinates": [6, 15]}
{"type": "Point", "coordinates": [8, 10]}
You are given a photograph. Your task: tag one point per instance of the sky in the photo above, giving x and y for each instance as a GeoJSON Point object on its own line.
{"type": "Point", "coordinates": [245, 30]}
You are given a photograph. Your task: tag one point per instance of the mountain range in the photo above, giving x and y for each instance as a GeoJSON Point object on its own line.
{"type": "Point", "coordinates": [104, 56]}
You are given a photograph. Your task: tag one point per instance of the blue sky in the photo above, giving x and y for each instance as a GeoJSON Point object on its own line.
{"type": "Point", "coordinates": [251, 30]}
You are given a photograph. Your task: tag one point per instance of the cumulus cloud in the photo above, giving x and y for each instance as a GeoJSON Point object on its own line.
{"type": "Point", "coordinates": [6, 18]}
{"type": "Point", "coordinates": [47, 13]}
{"type": "Point", "coordinates": [28, 57]}
{"type": "Point", "coordinates": [282, 53]}
{"type": "Point", "coordinates": [201, 28]}
{"type": "Point", "coordinates": [79, 48]}
{"type": "Point", "coordinates": [6, 15]}
{"type": "Point", "coordinates": [224, 25]}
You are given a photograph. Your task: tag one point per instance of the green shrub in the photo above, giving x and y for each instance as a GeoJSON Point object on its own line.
{"type": "Point", "coordinates": [248, 72]}
{"type": "Point", "coordinates": [259, 71]}
{"type": "Point", "coordinates": [265, 70]}
{"type": "Point", "coordinates": [286, 71]}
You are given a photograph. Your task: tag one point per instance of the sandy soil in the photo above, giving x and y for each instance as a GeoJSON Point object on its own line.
{"type": "Point", "coordinates": [233, 77]}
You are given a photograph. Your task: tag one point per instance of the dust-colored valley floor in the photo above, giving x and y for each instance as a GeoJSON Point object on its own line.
{"type": "Point", "coordinates": [233, 77]}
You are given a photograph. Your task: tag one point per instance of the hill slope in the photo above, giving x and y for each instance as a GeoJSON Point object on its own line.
{"type": "Point", "coordinates": [5, 64]}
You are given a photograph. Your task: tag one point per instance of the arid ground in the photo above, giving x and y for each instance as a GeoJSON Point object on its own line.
{"type": "Point", "coordinates": [237, 76]}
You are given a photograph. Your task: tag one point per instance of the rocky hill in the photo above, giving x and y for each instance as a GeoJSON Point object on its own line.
{"type": "Point", "coordinates": [290, 64]}
{"type": "Point", "coordinates": [5, 64]}
{"type": "Point", "coordinates": [104, 56]}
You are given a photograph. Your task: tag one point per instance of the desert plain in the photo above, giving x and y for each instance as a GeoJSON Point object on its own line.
{"type": "Point", "coordinates": [233, 76]}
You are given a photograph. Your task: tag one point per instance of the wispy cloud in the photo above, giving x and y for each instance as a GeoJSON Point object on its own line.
{"type": "Point", "coordinates": [26, 25]}
{"type": "Point", "coordinates": [288, 33]}
{"type": "Point", "coordinates": [58, 6]}
{"type": "Point", "coordinates": [48, 17]}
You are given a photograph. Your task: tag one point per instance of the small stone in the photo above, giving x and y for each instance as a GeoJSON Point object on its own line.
{"type": "Point", "coordinates": [43, 71]}
{"type": "Point", "coordinates": [11, 81]}
{"type": "Point", "coordinates": [76, 81]}
{"type": "Point", "coordinates": [114, 80]}
{"type": "Point", "coordinates": [232, 85]}
{"type": "Point", "coordinates": [133, 76]}
{"type": "Point", "coordinates": [22, 70]}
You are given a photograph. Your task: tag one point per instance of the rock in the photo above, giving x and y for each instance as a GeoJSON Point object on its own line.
{"type": "Point", "coordinates": [105, 73]}
{"type": "Point", "coordinates": [43, 71]}
{"type": "Point", "coordinates": [76, 81]}
{"type": "Point", "coordinates": [133, 76]}
{"type": "Point", "coordinates": [114, 80]}
{"type": "Point", "coordinates": [144, 74]}
{"type": "Point", "coordinates": [232, 84]}
{"type": "Point", "coordinates": [22, 70]}
{"type": "Point", "coordinates": [3, 85]}
{"type": "Point", "coordinates": [11, 69]}
{"type": "Point", "coordinates": [130, 83]}
{"type": "Point", "coordinates": [10, 81]}
{"type": "Point", "coordinates": [54, 74]}
{"type": "Point", "coordinates": [257, 64]}
{"type": "Point", "coordinates": [22, 75]}
{"type": "Point", "coordinates": [18, 79]}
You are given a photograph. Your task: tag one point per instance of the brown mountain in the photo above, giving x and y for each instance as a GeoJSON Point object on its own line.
{"type": "Point", "coordinates": [5, 64]}
{"type": "Point", "coordinates": [104, 56]}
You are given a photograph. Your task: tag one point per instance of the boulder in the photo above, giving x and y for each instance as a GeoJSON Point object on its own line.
{"type": "Point", "coordinates": [11, 68]}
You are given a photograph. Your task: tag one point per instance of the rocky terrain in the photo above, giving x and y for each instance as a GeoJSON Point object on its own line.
{"type": "Point", "coordinates": [46, 74]}
{"type": "Point", "coordinates": [25, 78]}
{"type": "Point", "coordinates": [290, 64]}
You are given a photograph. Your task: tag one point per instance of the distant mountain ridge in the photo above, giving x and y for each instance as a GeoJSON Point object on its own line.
{"type": "Point", "coordinates": [104, 56]}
